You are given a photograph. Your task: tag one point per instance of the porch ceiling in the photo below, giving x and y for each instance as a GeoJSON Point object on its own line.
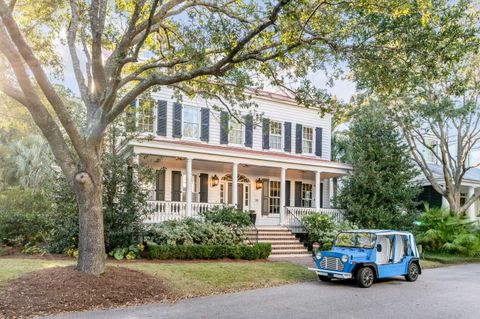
{"type": "Point", "coordinates": [221, 156]}
{"type": "Point", "coordinates": [225, 167]}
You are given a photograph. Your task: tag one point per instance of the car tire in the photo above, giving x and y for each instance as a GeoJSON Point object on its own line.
{"type": "Point", "coordinates": [324, 278]}
{"type": "Point", "coordinates": [413, 271]}
{"type": "Point", "coordinates": [365, 277]}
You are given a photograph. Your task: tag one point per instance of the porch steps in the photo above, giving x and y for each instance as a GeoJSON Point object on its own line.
{"type": "Point", "coordinates": [284, 243]}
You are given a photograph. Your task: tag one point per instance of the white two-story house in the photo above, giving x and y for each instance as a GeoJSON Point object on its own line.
{"type": "Point", "coordinates": [275, 162]}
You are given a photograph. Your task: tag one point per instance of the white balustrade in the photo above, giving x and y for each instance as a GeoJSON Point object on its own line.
{"type": "Point", "coordinates": [162, 210]}
{"type": "Point", "coordinates": [295, 215]}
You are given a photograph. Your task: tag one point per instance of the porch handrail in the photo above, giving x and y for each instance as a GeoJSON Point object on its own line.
{"type": "Point", "coordinates": [294, 215]}
{"type": "Point", "coordinates": [175, 210]}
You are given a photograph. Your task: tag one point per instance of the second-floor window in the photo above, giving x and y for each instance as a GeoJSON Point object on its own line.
{"type": "Point", "coordinates": [145, 115]}
{"type": "Point", "coordinates": [235, 134]}
{"type": "Point", "coordinates": [429, 154]}
{"type": "Point", "coordinates": [275, 135]}
{"type": "Point", "coordinates": [307, 140]}
{"type": "Point", "coordinates": [191, 122]}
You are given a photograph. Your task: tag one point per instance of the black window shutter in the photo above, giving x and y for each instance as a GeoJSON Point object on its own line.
{"type": "Point", "coordinates": [176, 186]}
{"type": "Point", "coordinates": [321, 195]}
{"type": "Point", "coordinates": [162, 118]}
{"type": "Point", "coordinates": [287, 147]}
{"type": "Point", "coordinates": [266, 134]}
{"type": "Point", "coordinates": [205, 117]}
{"type": "Point", "coordinates": [318, 141]}
{"type": "Point", "coordinates": [298, 139]}
{"type": "Point", "coordinates": [265, 197]}
{"type": "Point", "coordinates": [248, 130]}
{"type": "Point", "coordinates": [298, 194]}
{"type": "Point", "coordinates": [287, 193]}
{"type": "Point", "coordinates": [177, 120]}
{"type": "Point", "coordinates": [223, 127]}
{"type": "Point", "coordinates": [131, 116]}
{"type": "Point", "coordinates": [203, 188]}
{"type": "Point", "coordinates": [160, 185]}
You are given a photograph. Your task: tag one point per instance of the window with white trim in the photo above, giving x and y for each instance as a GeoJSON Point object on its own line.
{"type": "Point", "coordinates": [274, 205]}
{"type": "Point", "coordinates": [195, 188]}
{"type": "Point", "coordinates": [428, 153]}
{"type": "Point", "coordinates": [191, 122]}
{"type": "Point", "coordinates": [307, 140]}
{"type": "Point", "coordinates": [235, 133]}
{"type": "Point", "coordinates": [307, 195]}
{"type": "Point", "coordinates": [275, 135]}
{"type": "Point", "coordinates": [145, 115]}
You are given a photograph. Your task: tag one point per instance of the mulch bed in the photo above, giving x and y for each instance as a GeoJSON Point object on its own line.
{"type": "Point", "coordinates": [62, 289]}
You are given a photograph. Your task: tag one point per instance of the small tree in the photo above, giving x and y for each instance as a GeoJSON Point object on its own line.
{"type": "Point", "coordinates": [379, 193]}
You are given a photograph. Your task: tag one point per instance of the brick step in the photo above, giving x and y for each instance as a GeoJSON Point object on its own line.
{"type": "Point", "coordinates": [289, 255]}
{"type": "Point", "coordinates": [296, 247]}
{"type": "Point", "coordinates": [275, 240]}
{"type": "Point", "coordinates": [289, 251]}
{"type": "Point", "coordinates": [270, 233]}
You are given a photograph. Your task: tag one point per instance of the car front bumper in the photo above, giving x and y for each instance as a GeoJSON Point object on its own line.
{"type": "Point", "coordinates": [332, 273]}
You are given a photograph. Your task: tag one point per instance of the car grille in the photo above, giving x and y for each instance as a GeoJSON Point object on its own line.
{"type": "Point", "coordinates": [331, 263]}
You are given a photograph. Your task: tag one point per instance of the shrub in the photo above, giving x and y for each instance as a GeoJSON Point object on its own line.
{"type": "Point", "coordinates": [228, 216]}
{"type": "Point", "coordinates": [25, 217]}
{"type": "Point", "coordinates": [265, 249]}
{"type": "Point", "coordinates": [207, 251]}
{"type": "Point", "coordinates": [129, 253]}
{"type": "Point", "coordinates": [441, 230]}
{"type": "Point", "coordinates": [322, 229]}
{"type": "Point", "coordinates": [191, 231]}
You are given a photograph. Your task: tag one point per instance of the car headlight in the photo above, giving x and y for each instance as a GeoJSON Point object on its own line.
{"type": "Point", "coordinates": [344, 258]}
{"type": "Point", "coordinates": [318, 255]}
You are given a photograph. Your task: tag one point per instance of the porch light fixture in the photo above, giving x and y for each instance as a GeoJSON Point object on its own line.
{"type": "Point", "coordinates": [258, 183]}
{"type": "Point", "coordinates": [214, 180]}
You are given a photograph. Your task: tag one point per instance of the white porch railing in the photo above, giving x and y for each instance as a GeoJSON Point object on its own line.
{"type": "Point", "coordinates": [163, 210]}
{"type": "Point", "coordinates": [294, 215]}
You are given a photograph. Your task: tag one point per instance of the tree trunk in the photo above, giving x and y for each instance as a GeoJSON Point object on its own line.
{"type": "Point", "coordinates": [88, 186]}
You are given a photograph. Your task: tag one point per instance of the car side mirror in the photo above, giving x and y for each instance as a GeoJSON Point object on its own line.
{"type": "Point", "coordinates": [379, 248]}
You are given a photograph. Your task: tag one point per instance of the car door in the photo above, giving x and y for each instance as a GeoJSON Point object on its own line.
{"type": "Point", "coordinates": [394, 264]}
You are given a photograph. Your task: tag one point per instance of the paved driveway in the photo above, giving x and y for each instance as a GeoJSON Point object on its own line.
{"type": "Point", "coordinates": [451, 292]}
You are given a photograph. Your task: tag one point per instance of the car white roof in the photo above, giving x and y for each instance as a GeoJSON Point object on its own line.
{"type": "Point", "coordinates": [379, 231]}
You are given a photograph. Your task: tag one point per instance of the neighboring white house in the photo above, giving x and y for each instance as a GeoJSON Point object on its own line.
{"type": "Point", "coordinates": [470, 182]}
{"type": "Point", "coordinates": [279, 168]}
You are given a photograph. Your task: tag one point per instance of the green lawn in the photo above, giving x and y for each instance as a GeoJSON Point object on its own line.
{"type": "Point", "coordinates": [190, 278]}
{"type": "Point", "coordinates": [450, 259]}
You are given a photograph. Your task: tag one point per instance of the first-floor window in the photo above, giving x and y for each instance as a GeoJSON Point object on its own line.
{"type": "Point", "coordinates": [235, 134]}
{"type": "Point", "coordinates": [307, 140]}
{"type": "Point", "coordinates": [145, 115]}
{"type": "Point", "coordinates": [195, 189]}
{"type": "Point", "coordinates": [307, 195]}
{"type": "Point", "coordinates": [274, 207]}
{"type": "Point", "coordinates": [191, 122]}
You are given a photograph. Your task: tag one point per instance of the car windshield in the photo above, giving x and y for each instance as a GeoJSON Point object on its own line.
{"type": "Point", "coordinates": [357, 240]}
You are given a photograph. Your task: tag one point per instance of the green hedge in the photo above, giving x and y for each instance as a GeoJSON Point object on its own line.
{"type": "Point", "coordinates": [257, 251]}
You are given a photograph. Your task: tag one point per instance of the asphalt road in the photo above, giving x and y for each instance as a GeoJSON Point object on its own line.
{"type": "Point", "coordinates": [450, 292]}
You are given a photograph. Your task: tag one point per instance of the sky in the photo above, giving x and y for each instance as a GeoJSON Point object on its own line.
{"type": "Point", "coordinates": [342, 89]}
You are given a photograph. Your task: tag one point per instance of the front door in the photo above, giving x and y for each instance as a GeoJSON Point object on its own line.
{"type": "Point", "coordinates": [240, 199]}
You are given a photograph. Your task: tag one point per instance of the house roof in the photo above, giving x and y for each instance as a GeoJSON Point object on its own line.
{"type": "Point", "coordinates": [472, 175]}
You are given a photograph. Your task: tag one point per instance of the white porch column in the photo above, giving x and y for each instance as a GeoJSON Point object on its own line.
{"type": "Point", "coordinates": [283, 174]}
{"type": "Point", "coordinates": [188, 189]}
{"type": "Point", "coordinates": [318, 185]}
{"type": "Point", "coordinates": [445, 204]}
{"type": "Point", "coordinates": [235, 184]}
{"type": "Point", "coordinates": [471, 210]}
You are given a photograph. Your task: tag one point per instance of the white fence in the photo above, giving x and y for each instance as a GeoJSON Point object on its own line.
{"type": "Point", "coordinates": [163, 210]}
{"type": "Point", "coordinates": [294, 215]}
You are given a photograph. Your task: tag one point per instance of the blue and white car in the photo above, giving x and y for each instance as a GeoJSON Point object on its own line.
{"type": "Point", "coordinates": [366, 255]}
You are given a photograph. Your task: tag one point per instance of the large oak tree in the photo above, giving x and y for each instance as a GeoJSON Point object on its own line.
{"type": "Point", "coordinates": [121, 49]}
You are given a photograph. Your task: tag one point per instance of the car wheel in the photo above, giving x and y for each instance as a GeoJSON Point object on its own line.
{"type": "Point", "coordinates": [412, 274]}
{"type": "Point", "coordinates": [365, 277]}
{"type": "Point", "coordinates": [324, 278]}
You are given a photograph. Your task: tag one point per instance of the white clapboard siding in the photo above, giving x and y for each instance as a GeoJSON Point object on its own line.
{"type": "Point", "coordinates": [276, 110]}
